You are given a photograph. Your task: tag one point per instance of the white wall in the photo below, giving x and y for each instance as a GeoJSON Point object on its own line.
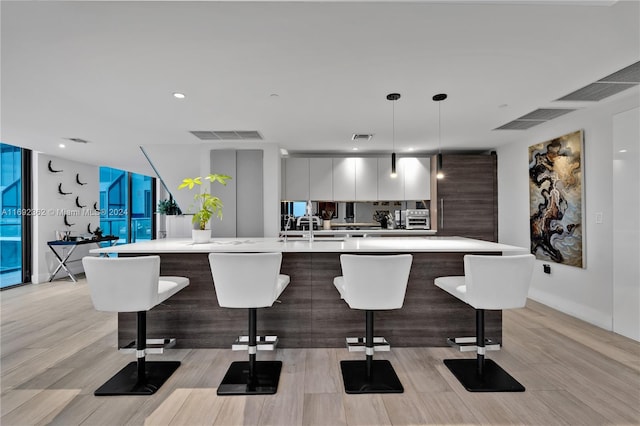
{"type": "Point", "coordinates": [53, 205]}
{"type": "Point", "coordinates": [175, 162]}
{"type": "Point", "coordinates": [626, 223]}
{"type": "Point", "coordinates": [584, 293]}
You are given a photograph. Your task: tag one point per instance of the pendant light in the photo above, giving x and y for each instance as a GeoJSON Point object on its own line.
{"type": "Point", "coordinates": [393, 97]}
{"type": "Point", "coordinates": [439, 98]}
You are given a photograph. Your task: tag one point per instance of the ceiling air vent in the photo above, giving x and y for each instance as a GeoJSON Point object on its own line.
{"type": "Point", "coordinates": [534, 118]}
{"type": "Point", "coordinates": [546, 114]}
{"type": "Point", "coordinates": [204, 135]}
{"type": "Point", "coordinates": [630, 74]}
{"type": "Point", "coordinates": [614, 83]}
{"type": "Point", "coordinates": [596, 91]}
{"type": "Point", "coordinates": [519, 125]}
{"type": "Point", "coordinates": [361, 137]}
{"type": "Point", "coordinates": [77, 140]}
{"type": "Point", "coordinates": [216, 135]}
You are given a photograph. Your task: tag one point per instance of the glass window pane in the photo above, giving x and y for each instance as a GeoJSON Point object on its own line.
{"type": "Point", "coordinates": [141, 207]}
{"type": "Point", "coordinates": [11, 219]}
{"type": "Point", "coordinates": [113, 203]}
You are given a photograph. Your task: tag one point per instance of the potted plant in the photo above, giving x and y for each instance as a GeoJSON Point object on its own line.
{"type": "Point", "coordinates": [168, 207]}
{"type": "Point", "coordinates": [207, 205]}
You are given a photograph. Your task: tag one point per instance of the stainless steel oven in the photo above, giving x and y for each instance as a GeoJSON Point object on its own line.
{"type": "Point", "coordinates": [417, 219]}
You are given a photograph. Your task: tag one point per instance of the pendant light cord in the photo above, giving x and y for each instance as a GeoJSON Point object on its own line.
{"type": "Point", "coordinates": [439, 127]}
{"type": "Point", "coordinates": [393, 126]}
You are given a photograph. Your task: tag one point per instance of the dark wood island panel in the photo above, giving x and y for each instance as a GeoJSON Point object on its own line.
{"type": "Point", "coordinates": [311, 313]}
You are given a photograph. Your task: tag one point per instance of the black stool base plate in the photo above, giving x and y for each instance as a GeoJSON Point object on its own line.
{"type": "Point", "coordinates": [125, 382]}
{"type": "Point", "coordinates": [265, 382]}
{"type": "Point", "coordinates": [383, 377]}
{"type": "Point", "coordinates": [494, 379]}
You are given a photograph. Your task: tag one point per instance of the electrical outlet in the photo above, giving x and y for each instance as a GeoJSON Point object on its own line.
{"type": "Point", "coordinates": [546, 268]}
{"type": "Point", "coordinates": [599, 217]}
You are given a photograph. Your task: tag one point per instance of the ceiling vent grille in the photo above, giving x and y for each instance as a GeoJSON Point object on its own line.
{"type": "Point", "coordinates": [361, 137]}
{"type": "Point", "coordinates": [596, 92]}
{"type": "Point", "coordinates": [630, 74]}
{"type": "Point", "coordinates": [78, 140]}
{"type": "Point", "coordinates": [614, 83]}
{"type": "Point", "coordinates": [534, 118]}
{"type": "Point", "coordinates": [546, 114]}
{"type": "Point", "coordinates": [218, 135]}
{"type": "Point", "coordinates": [519, 125]}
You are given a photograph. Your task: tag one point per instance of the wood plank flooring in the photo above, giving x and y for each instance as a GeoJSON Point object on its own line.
{"type": "Point", "coordinates": [56, 350]}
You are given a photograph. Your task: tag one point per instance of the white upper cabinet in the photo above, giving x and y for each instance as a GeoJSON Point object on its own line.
{"type": "Point", "coordinates": [417, 178]}
{"type": "Point", "coordinates": [356, 179]}
{"type": "Point", "coordinates": [296, 179]}
{"type": "Point", "coordinates": [390, 189]}
{"type": "Point", "coordinates": [321, 179]}
{"type": "Point", "coordinates": [366, 179]}
{"type": "Point", "coordinates": [344, 179]}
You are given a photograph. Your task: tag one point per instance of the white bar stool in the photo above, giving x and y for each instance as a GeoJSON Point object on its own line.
{"type": "Point", "coordinates": [371, 283]}
{"type": "Point", "coordinates": [490, 282]}
{"type": "Point", "coordinates": [132, 284]}
{"type": "Point", "coordinates": [250, 281]}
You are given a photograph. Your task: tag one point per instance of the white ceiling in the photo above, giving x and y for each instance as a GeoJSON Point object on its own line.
{"type": "Point", "coordinates": [106, 71]}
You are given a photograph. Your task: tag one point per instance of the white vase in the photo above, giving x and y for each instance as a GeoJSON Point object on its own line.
{"type": "Point", "coordinates": [200, 236]}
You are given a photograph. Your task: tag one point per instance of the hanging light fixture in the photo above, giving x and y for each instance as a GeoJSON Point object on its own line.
{"type": "Point", "coordinates": [393, 97]}
{"type": "Point", "coordinates": [439, 98]}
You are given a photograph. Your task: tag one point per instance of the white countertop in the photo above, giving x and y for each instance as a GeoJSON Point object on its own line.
{"type": "Point", "coordinates": [359, 232]}
{"type": "Point", "coordinates": [319, 245]}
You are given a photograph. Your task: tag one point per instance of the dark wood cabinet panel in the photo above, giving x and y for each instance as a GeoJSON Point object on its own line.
{"type": "Point", "coordinates": [467, 197]}
{"type": "Point", "coordinates": [311, 313]}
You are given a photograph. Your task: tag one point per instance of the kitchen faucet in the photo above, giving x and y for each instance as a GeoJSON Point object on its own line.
{"type": "Point", "coordinates": [286, 227]}
{"type": "Point", "coordinates": [309, 215]}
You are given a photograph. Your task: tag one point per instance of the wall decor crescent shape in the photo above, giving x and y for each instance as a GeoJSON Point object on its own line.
{"type": "Point", "coordinates": [78, 180]}
{"type": "Point", "coordinates": [78, 202]}
{"type": "Point", "coordinates": [51, 169]}
{"type": "Point", "coordinates": [60, 191]}
{"type": "Point", "coordinates": [66, 222]}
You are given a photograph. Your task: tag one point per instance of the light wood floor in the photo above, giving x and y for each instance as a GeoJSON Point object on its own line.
{"type": "Point", "coordinates": [56, 350]}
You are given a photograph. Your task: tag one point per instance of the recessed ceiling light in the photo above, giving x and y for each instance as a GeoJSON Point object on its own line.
{"type": "Point", "coordinates": [354, 148]}
{"type": "Point", "coordinates": [622, 151]}
{"type": "Point", "coordinates": [178, 95]}
{"type": "Point", "coordinates": [61, 145]}
{"type": "Point", "coordinates": [409, 149]}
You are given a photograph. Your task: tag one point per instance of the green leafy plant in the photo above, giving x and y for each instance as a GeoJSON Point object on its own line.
{"type": "Point", "coordinates": [168, 207]}
{"type": "Point", "coordinates": [207, 204]}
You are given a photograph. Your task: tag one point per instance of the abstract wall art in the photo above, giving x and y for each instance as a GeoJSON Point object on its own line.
{"type": "Point", "coordinates": [556, 202]}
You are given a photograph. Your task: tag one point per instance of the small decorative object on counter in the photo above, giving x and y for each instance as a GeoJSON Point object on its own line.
{"type": "Point", "coordinates": [382, 216]}
{"type": "Point", "coordinates": [97, 234]}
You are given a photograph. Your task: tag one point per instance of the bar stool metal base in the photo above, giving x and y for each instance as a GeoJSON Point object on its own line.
{"type": "Point", "coordinates": [493, 379]}
{"type": "Point", "coordinates": [126, 382]}
{"type": "Point", "coordinates": [383, 377]}
{"type": "Point", "coordinates": [265, 382]}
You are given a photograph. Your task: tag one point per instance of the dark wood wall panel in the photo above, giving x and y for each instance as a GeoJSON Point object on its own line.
{"type": "Point", "coordinates": [311, 313]}
{"type": "Point", "coordinates": [467, 198]}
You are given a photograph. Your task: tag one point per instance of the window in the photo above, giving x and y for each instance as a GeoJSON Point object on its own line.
{"type": "Point", "coordinates": [126, 203]}
{"type": "Point", "coordinates": [14, 174]}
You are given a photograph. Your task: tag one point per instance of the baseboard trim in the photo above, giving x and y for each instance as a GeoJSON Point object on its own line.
{"type": "Point", "coordinates": [576, 310]}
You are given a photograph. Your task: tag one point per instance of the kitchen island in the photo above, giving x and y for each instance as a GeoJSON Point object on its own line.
{"type": "Point", "coordinates": [311, 313]}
